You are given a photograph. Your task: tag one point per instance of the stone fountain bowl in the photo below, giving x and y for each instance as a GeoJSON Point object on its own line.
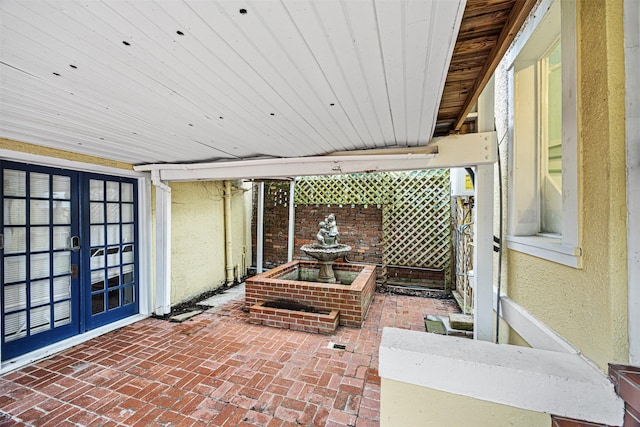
{"type": "Point", "coordinates": [326, 253]}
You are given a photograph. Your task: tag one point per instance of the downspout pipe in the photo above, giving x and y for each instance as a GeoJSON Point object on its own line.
{"type": "Point", "coordinates": [292, 221]}
{"type": "Point", "coordinates": [227, 234]}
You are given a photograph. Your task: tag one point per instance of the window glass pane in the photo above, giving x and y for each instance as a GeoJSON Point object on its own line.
{"type": "Point", "coordinates": [15, 212]}
{"type": "Point", "coordinates": [61, 187]}
{"type": "Point", "coordinates": [127, 295]}
{"type": "Point", "coordinates": [15, 240]}
{"type": "Point", "coordinates": [61, 212]}
{"type": "Point", "coordinates": [114, 299]}
{"type": "Point", "coordinates": [113, 191]}
{"type": "Point", "coordinates": [40, 293]}
{"type": "Point", "coordinates": [15, 326]}
{"type": "Point", "coordinates": [62, 313]}
{"type": "Point", "coordinates": [551, 143]}
{"type": "Point", "coordinates": [96, 190]}
{"type": "Point", "coordinates": [61, 237]}
{"type": "Point", "coordinates": [127, 192]}
{"type": "Point", "coordinates": [97, 235]}
{"type": "Point", "coordinates": [97, 280]}
{"type": "Point", "coordinates": [39, 239]}
{"type": "Point", "coordinates": [39, 183]}
{"type": "Point", "coordinates": [39, 212]}
{"type": "Point", "coordinates": [127, 274]}
{"type": "Point", "coordinates": [113, 234]}
{"type": "Point", "coordinates": [61, 288]}
{"type": "Point", "coordinates": [97, 258]}
{"type": "Point", "coordinates": [61, 263]}
{"type": "Point", "coordinates": [15, 269]}
{"type": "Point", "coordinates": [97, 303]}
{"type": "Point", "coordinates": [97, 213]}
{"type": "Point", "coordinates": [114, 277]}
{"type": "Point", "coordinates": [40, 319]}
{"type": "Point", "coordinates": [127, 212]}
{"type": "Point", "coordinates": [15, 183]}
{"type": "Point", "coordinates": [113, 212]}
{"type": "Point", "coordinates": [39, 266]}
{"type": "Point", "coordinates": [127, 254]}
{"type": "Point", "coordinates": [15, 297]}
{"type": "Point", "coordinates": [127, 233]}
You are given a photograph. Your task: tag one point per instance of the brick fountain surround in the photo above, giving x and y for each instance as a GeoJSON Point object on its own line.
{"type": "Point", "coordinates": [347, 303]}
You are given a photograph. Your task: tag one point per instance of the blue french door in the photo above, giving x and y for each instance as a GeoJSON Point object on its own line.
{"type": "Point", "coordinates": [69, 254]}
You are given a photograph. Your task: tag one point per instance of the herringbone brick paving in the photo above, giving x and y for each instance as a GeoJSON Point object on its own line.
{"type": "Point", "coordinates": [214, 370]}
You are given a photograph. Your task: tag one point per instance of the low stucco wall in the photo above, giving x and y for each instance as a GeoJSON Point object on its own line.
{"type": "Point", "coordinates": [198, 236]}
{"type": "Point", "coordinates": [408, 405]}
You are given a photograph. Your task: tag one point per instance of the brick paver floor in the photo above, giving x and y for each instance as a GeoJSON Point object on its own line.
{"type": "Point", "coordinates": [214, 370]}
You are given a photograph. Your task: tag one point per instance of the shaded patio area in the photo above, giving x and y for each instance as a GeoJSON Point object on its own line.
{"type": "Point", "coordinates": [216, 369]}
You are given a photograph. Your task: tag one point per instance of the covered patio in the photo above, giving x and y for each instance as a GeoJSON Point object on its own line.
{"type": "Point", "coordinates": [216, 369]}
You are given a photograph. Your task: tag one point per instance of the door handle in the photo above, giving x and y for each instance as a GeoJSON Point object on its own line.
{"type": "Point", "coordinates": [74, 243]}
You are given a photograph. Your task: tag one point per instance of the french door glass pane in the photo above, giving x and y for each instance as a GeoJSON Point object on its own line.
{"type": "Point", "coordinates": [15, 326]}
{"type": "Point", "coordinates": [61, 187]}
{"type": "Point", "coordinates": [39, 266]}
{"type": "Point", "coordinates": [39, 239]}
{"type": "Point", "coordinates": [40, 319]}
{"type": "Point", "coordinates": [61, 288]}
{"type": "Point", "coordinates": [96, 190]}
{"type": "Point", "coordinates": [62, 313]}
{"type": "Point", "coordinates": [15, 183]}
{"type": "Point", "coordinates": [39, 185]}
{"type": "Point", "coordinates": [15, 212]}
{"type": "Point", "coordinates": [61, 263]}
{"type": "Point", "coordinates": [113, 212]}
{"type": "Point", "coordinates": [61, 212]}
{"type": "Point", "coordinates": [39, 212]}
{"type": "Point", "coordinates": [113, 191]}
{"type": "Point", "coordinates": [97, 235]}
{"type": "Point", "coordinates": [15, 297]}
{"type": "Point", "coordinates": [97, 213]}
{"type": "Point", "coordinates": [127, 212]}
{"type": "Point", "coordinates": [40, 293]}
{"type": "Point", "coordinates": [97, 303]}
{"type": "Point", "coordinates": [127, 192]}
{"type": "Point", "coordinates": [61, 237]}
{"type": "Point", "coordinates": [113, 234]}
{"type": "Point", "coordinates": [15, 240]}
{"type": "Point", "coordinates": [15, 269]}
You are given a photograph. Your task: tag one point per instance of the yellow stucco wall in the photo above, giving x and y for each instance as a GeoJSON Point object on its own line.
{"type": "Point", "coordinates": [588, 307]}
{"type": "Point", "coordinates": [407, 405]}
{"type": "Point", "coordinates": [198, 236]}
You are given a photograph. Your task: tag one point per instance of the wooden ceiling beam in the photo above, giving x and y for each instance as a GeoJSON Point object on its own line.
{"type": "Point", "coordinates": [518, 15]}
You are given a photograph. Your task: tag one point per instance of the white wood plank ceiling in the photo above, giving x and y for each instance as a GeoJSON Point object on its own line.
{"type": "Point", "coordinates": [192, 81]}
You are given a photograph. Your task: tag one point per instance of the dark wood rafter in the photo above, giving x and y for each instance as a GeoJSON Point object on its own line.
{"type": "Point", "coordinates": [487, 29]}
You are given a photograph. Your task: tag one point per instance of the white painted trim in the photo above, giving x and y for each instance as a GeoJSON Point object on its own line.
{"type": "Point", "coordinates": [18, 156]}
{"type": "Point", "coordinates": [145, 248]}
{"type": "Point", "coordinates": [26, 359]}
{"type": "Point", "coordinates": [533, 331]}
{"type": "Point", "coordinates": [547, 248]}
{"type": "Point", "coordinates": [292, 219]}
{"type": "Point", "coordinates": [537, 380]}
{"type": "Point", "coordinates": [632, 65]}
{"type": "Point", "coordinates": [523, 211]}
{"type": "Point", "coordinates": [260, 229]}
{"type": "Point", "coordinates": [163, 248]}
{"type": "Point", "coordinates": [452, 151]}
{"type": "Point", "coordinates": [483, 255]}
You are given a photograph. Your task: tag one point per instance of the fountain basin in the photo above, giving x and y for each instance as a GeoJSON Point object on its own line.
{"type": "Point", "coordinates": [351, 299]}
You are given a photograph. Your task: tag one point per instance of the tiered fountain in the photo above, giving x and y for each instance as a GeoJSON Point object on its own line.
{"type": "Point", "coordinates": [308, 290]}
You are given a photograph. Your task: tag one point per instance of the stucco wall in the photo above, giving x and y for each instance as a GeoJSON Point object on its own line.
{"type": "Point", "coordinates": [198, 236]}
{"type": "Point", "coordinates": [407, 405]}
{"type": "Point", "coordinates": [588, 306]}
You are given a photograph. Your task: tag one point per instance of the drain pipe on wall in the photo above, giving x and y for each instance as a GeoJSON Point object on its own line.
{"type": "Point", "coordinates": [292, 214]}
{"type": "Point", "coordinates": [260, 229]}
{"type": "Point", "coordinates": [227, 234]}
{"type": "Point", "coordinates": [163, 245]}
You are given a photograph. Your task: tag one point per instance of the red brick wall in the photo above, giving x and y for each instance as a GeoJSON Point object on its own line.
{"type": "Point", "coordinates": [296, 320]}
{"type": "Point", "coordinates": [352, 301]}
{"type": "Point", "coordinates": [360, 228]}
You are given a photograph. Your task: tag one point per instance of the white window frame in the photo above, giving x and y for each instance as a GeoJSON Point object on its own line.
{"type": "Point", "coordinates": [537, 36]}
